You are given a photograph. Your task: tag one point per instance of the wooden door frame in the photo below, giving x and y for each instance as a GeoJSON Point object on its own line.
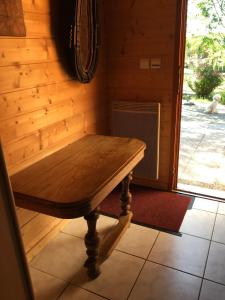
{"type": "Point", "coordinates": [14, 272]}
{"type": "Point", "coordinates": [179, 59]}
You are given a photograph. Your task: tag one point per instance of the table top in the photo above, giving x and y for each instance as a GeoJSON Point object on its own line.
{"type": "Point", "coordinates": [76, 179]}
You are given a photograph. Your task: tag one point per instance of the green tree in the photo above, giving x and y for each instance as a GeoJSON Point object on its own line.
{"type": "Point", "coordinates": [214, 12]}
{"type": "Point", "coordinates": [206, 80]}
{"type": "Point", "coordinates": [205, 54]}
{"type": "Point", "coordinates": [205, 49]}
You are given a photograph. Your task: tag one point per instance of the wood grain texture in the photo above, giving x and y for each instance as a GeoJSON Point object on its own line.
{"type": "Point", "coordinates": [65, 184]}
{"type": "Point", "coordinates": [33, 231]}
{"type": "Point", "coordinates": [38, 6]}
{"type": "Point", "coordinates": [111, 239]}
{"type": "Point", "coordinates": [20, 102]}
{"type": "Point", "coordinates": [92, 241]}
{"type": "Point", "coordinates": [42, 109]}
{"type": "Point", "coordinates": [12, 251]}
{"type": "Point", "coordinates": [136, 30]}
{"type": "Point", "coordinates": [38, 25]}
{"type": "Point", "coordinates": [25, 216]}
{"type": "Point", "coordinates": [26, 50]}
{"type": "Point", "coordinates": [11, 18]}
{"type": "Point", "coordinates": [44, 240]}
{"type": "Point", "coordinates": [31, 75]}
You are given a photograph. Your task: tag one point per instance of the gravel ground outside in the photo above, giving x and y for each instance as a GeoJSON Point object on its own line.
{"type": "Point", "coordinates": [202, 148]}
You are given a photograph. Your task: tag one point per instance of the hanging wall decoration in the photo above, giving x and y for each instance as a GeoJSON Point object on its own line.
{"type": "Point", "coordinates": [82, 34]}
{"type": "Point", "coordinates": [11, 18]}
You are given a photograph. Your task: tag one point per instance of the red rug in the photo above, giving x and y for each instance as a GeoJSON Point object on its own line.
{"type": "Point", "coordinates": [156, 209]}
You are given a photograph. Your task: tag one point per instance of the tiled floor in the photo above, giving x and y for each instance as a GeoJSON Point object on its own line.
{"type": "Point", "coordinates": [147, 264]}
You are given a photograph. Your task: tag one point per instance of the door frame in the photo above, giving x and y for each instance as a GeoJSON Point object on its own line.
{"type": "Point", "coordinates": [14, 272]}
{"type": "Point", "coordinates": [179, 60]}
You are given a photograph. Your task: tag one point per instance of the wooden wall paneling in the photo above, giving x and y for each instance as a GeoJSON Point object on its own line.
{"type": "Point", "coordinates": [45, 239]}
{"type": "Point", "coordinates": [24, 51]}
{"type": "Point", "coordinates": [33, 231]}
{"type": "Point", "coordinates": [42, 109]}
{"type": "Point", "coordinates": [31, 99]}
{"type": "Point", "coordinates": [98, 127]}
{"type": "Point", "coordinates": [162, 95]}
{"type": "Point", "coordinates": [57, 132]}
{"type": "Point", "coordinates": [136, 30]}
{"type": "Point", "coordinates": [27, 161]}
{"type": "Point", "coordinates": [31, 75]}
{"type": "Point", "coordinates": [30, 122]}
{"type": "Point", "coordinates": [37, 25]}
{"type": "Point", "coordinates": [90, 117]}
{"type": "Point", "coordinates": [139, 47]}
{"type": "Point", "coordinates": [25, 216]}
{"type": "Point", "coordinates": [20, 149]}
{"type": "Point", "coordinates": [39, 6]}
{"type": "Point", "coordinates": [125, 79]}
{"type": "Point", "coordinates": [127, 63]}
{"type": "Point", "coordinates": [30, 145]}
{"type": "Point", "coordinates": [146, 7]}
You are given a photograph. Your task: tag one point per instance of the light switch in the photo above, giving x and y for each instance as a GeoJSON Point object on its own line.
{"type": "Point", "coordinates": [144, 63]}
{"type": "Point", "coordinates": [155, 63]}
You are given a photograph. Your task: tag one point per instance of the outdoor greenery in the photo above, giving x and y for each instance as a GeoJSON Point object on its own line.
{"type": "Point", "coordinates": [208, 49]}
{"type": "Point", "coordinates": [222, 94]}
{"type": "Point", "coordinates": [207, 79]}
{"type": "Point", "coordinates": [214, 12]}
{"type": "Point", "coordinates": [205, 54]}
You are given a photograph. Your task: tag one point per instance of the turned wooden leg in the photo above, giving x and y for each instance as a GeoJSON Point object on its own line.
{"type": "Point", "coordinates": [92, 244]}
{"type": "Point", "coordinates": [126, 196]}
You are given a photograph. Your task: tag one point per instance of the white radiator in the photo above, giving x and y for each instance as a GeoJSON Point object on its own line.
{"type": "Point", "coordinates": [142, 121]}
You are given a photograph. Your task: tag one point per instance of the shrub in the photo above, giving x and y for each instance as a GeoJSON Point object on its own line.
{"type": "Point", "coordinates": [222, 94]}
{"type": "Point", "coordinates": [207, 79]}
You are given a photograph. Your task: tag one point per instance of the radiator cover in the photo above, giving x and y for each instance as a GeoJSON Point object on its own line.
{"type": "Point", "coordinates": [142, 121]}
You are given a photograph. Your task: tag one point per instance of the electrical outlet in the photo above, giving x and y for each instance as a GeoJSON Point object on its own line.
{"type": "Point", "coordinates": [155, 63]}
{"type": "Point", "coordinates": [144, 63]}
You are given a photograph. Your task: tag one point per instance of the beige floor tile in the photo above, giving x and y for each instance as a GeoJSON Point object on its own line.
{"type": "Point", "coordinates": [25, 215]}
{"type": "Point", "coordinates": [119, 273]}
{"type": "Point", "coordinates": [219, 229]}
{"type": "Point", "coordinates": [215, 269]}
{"type": "Point", "coordinates": [186, 253]}
{"type": "Point", "coordinates": [205, 204]}
{"type": "Point", "coordinates": [199, 223]}
{"type": "Point", "coordinates": [212, 291]}
{"type": "Point", "coordinates": [76, 293]}
{"type": "Point", "coordinates": [78, 227]}
{"type": "Point", "coordinates": [63, 257]}
{"type": "Point", "coordinates": [221, 209]}
{"type": "Point", "coordinates": [161, 283]}
{"type": "Point", "coordinates": [138, 240]}
{"type": "Point", "coordinates": [46, 287]}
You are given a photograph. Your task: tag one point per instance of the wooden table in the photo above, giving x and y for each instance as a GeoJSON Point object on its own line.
{"type": "Point", "coordinates": [74, 181]}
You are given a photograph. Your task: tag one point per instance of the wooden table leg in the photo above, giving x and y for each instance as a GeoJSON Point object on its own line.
{"type": "Point", "coordinates": [92, 241]}
{"type": "Point", "coordinates": [111, 239]}
{"type": "Point", "coordinates": [126, 196]}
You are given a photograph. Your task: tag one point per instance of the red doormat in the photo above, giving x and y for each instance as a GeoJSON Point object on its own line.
{"type": "Point", "coordinates": [152, 208]}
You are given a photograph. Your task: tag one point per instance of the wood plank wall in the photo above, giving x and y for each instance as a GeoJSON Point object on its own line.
{"type": "Point", "coordinates": [136, 30]}
{"type": "Point", "coordinates": [41, 108]}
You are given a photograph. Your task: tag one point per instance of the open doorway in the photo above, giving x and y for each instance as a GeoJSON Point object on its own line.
{"type": "Point", "coordinates": [201, 167]}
